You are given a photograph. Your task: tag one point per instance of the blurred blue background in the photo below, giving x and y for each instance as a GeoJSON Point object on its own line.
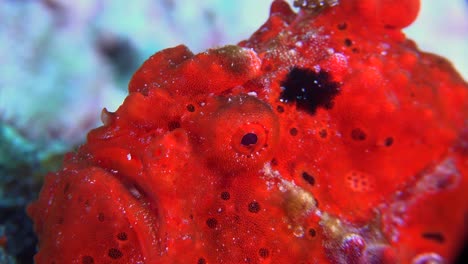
{"type": "Point", "coordinates": [63, 61]}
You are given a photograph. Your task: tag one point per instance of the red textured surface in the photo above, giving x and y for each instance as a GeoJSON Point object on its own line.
{"type": "Point", "coordinates": [209, 161]}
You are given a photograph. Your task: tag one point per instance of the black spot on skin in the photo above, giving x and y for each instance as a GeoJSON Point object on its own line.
{"type": "Point", "coordinates": [263, 252]}
{"type": "Point", "coordinates": [389, 26]}
{"type": "Point", "coordinates": [173, 125]}
{"type": "Point", "coordinates": [87, 260]}
{"type": "Point", "coordinates": [249, 139]}
{"type": "Point", "coordinates": [212, 223]}
{"type": "Point", "coordinates": [293, 131]}
{"type": "Point", "coordinates": [190, 108]}
{"type": "Point", "coordinates": [388, 142]}
{"type": "Point", "coordinates": [323, 133]}
{"type": "Point", "coordinates": [342, 26]}
{"type": "Point", "coordinates": [434, 236]}
{"type": "Point", "coordinates": [225, 196]}
{"type": "Point", "coordinates": [115, 253]}
{"type": "Point", "coordinates": [122, 236]}
{"type": "Point", "coordinates": [280, 109]}
{"type": "Point", "coordinates": [358, 134]}
{"type": "Point", "coordinates": [274, 162]}
{"type": "Point", "coordinates": [101, 217]}
{"type": "Point", "coordinates": [309, 89]}
{"type": "Point", "coordinates": [312, 232]}
{"type": "Point", "coordinates": [201, 261]}
{"type": "Point", "coordinates": [254, 207]}
{"type": "Point", "coordinates": [67, 187]}
{"type": "Point", "coordinates": [348, 42]}
{"type": "Point", "coordinates": [308, 178]}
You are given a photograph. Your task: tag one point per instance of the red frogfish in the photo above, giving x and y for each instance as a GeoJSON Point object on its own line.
{"type": "Point", "coordinates": [326, 137]}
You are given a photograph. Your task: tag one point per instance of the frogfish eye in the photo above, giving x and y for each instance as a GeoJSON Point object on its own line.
{"type": "Point", "coordinates": [237, 133]}
{"type": "Point", "coordinates": [249, 139]}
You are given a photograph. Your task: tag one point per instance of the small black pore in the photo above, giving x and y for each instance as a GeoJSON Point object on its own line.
{"type": "Point", "coordinates": [293, 131]}
{"type": "Point", "coordinates": [342, 26]}
{"type": "Point", "coordinates": [87, 260]}
{"type": "Point", "coordinates": [101, 217]}
{"type": "Point", "coordinates": [122, 236]}
{"type": "Point", "coordinates": [312, 232]}
{"type": "Point", "coordinates": [225, 196]}
{"type": "Point", "coordinates": [388, 142]}
{"type": "Point", "coordinates": [308, 178]}
{"type": "Point", "coordinates": [358, 134]}
{"type": "Point", "coordinates": [190, 108]}
{"type": "Point", "coordinates": [274, 162]}
{"type": "Point", "coordinates": [212, 223]}
{"type": "Point", "coordinates": [434, 236]}
{"type": "Point", "coordinates": [280, 109]}
{"type": "Point", "coordinates": [201, 261]}
{"type": "Point", "coordinates": [115, 253]}
{"type": "Point", "coordinates": [348, 42]}
{"type": "Point", "coordinates": [263, 252]}
{"type": "Point", "coordinates": [323, 133]}
{"type": "Point", "coordinates": [309, 89]}
{"type": "Point", "coordinates": [254, 207]}
{"type": "Point", "coordinates": [67, 188]}
{"type": "Point", "coordinates": [173, 125]}
{"type": "Point", "coordinates": [249, 139]}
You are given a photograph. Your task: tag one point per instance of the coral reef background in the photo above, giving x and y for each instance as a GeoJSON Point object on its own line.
{"type": "Point", "coordinates": [63, 61]}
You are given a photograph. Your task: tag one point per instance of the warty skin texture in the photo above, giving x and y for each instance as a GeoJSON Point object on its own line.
{"type": "Point", "coordinates": [324, 138]}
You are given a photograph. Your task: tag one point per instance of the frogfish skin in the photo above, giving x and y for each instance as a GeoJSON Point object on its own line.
{"type": "Point", "coordinates": [326, 137]}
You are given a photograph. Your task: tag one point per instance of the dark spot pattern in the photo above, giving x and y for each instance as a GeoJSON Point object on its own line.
{"type": "Point", "coordinates": [280, 109]}
{"type": "Point", "coordinates": [263, 252]}
{"type": "Point", "coordinates": [212, 223]}
{"type": "Point", "coordinates": [342, 26]}
{"type": "Point", "coordinates": [254, 207]}
{"type": "Point", "coordinates": [348, 42]}
{"type": "Point", "coordinates": [274, 162]}
{"type": "Point", "coordinates": [308, 178]}
{"type": "Point", "coordinates": [87, 260]}
{"type": "Point", "coordinates": [173, 125]}
{"type": "Point", "coordinates": [388, 142]}
{"type": "Point", "coordinates": [434, 236]}
{"type": "Point", "coordinates": [312, 232]}
{"type": "Point", "coordinates": [101, 217]}
{"type": "Point", "coordinates": [323, 133]}
{"type": "Point", "coordinates": [201, 261]}
{"type": "Point", "coordinates": [190, 108]}
{"type": "Point", "coordinates": [115, 253]}
{"type": "Point", "coordinates": [358, 134]}
{"type": "Point", "coordinates": [293, 131]}
{"type": "Point", "coordinates": [67, 187]}
{"type": "Point", "coordinates": [309, 89]}
{"type": "Point", "coordinates": [122, 236]}
{"type": "Point", "coordinates": [225, 196]}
